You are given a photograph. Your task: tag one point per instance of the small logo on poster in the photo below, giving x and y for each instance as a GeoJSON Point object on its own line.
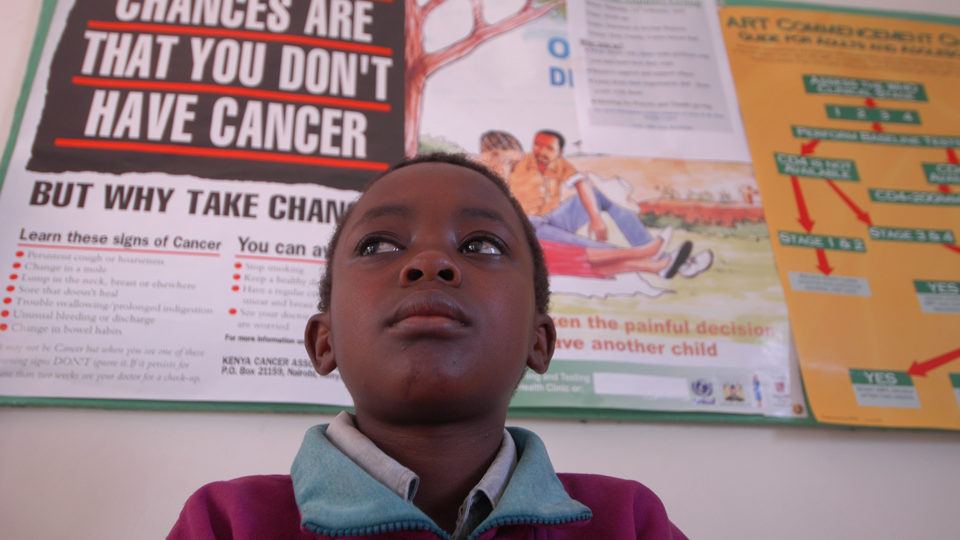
{"type": "Point", "coordinates": [757, 391]}
{"type": "Point", "coordinates": [703, 390]}
{"type": "Point", "coordinates": [733, 393]}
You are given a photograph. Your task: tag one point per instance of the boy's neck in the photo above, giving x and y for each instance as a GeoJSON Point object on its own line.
{"type": "Point", "coordinates": [450, 459]}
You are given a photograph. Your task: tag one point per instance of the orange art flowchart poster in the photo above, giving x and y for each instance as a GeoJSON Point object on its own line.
{"type": "Point", "coordinates": [853, 122]}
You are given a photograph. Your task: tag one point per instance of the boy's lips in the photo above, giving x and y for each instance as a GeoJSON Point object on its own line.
{"type": "Point", "coordinates": [428, 309]}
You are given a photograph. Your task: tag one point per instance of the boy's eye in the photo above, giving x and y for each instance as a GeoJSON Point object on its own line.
{"type": "Point", "coordinates": [482, 246]}
{"type": "Point", "coordinates": [373, 246]}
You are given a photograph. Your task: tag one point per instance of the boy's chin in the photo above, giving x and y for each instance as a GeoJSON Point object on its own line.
{"type": "Point", "coordinates": [434, 409]}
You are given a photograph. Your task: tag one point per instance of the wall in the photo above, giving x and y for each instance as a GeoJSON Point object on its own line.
{"type": "Point", "coordinates": [125, 474]}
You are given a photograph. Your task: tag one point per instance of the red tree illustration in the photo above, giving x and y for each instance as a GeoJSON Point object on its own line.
{"type": "Point", "coordinates": [422, 64]}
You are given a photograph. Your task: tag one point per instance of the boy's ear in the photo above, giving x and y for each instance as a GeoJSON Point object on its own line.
{"type": "Point", "coordinates": [545, 340]}
{"type": "Point", "coordinates": [318, 339]}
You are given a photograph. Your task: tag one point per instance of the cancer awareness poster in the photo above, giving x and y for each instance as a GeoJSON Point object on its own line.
{"type": "Point", "coordinates": [853, 121]}
{"type": "Point", "coordinates": [179, 167]}
{"type": "Point", "coordinates": [178, 170]}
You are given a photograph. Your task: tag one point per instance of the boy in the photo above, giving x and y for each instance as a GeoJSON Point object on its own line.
{"type": "Point", "coordinates": [433, 306]}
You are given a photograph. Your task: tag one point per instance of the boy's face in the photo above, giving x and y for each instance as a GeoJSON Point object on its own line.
{"type": "Point", "coordinates": [432, 314]}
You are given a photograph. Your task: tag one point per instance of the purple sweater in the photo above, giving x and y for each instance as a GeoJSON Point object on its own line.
{"type": "Point", "coordinates": [328, 496]}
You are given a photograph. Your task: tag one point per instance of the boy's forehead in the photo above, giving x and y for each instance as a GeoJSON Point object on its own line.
{"type": "Point", "coordinates": [434, 185]}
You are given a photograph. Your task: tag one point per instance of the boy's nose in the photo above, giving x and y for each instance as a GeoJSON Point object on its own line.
{"type": "Point", "coordinates": [428, 266]}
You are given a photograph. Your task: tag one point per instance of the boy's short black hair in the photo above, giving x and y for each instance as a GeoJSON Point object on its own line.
{"type": "Point", "coordinates": [541, 282]}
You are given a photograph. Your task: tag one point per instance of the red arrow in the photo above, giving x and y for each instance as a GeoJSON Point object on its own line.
{"type": "Point", "coordinates": [877, 127]}
{"type": "Point", "coordinates": [920, 369]}
{"type": "Point", "coordinates": [944, 188]}
{"type": "Point", "coordinates": [808, 147]}
{"type": "Point", "coordinates": [870, 102]}
{"type": "Point", "coordinates": [861, 215]}
{"type": "Point", "coordinates": [804, 220]}
{"type": "Point", "coordinates": [952, 247]}
{"type": "Point", "coordinates": [822, 263]}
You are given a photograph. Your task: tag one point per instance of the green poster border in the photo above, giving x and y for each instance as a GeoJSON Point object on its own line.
{"type": "Point", "coordinates": [563, 413]}
{"type": "Point", "coordinates": [913, 16]}
{"type": "Point", "coordinates": [606, 415]}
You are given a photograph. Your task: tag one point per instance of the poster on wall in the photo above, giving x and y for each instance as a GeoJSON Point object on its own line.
{"type": "Point", "coordinates": [178, 171]}
{"type": "Point", "coordinates": [712, 337]}
{"type": "Point", "coordinates": [852, 120]}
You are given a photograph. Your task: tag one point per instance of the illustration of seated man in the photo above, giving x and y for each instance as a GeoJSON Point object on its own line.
{"type": "Point", "coordinates": [537, 179]}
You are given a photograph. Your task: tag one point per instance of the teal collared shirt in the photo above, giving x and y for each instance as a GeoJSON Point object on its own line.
{"type": "Point", "coordinates": [478, 504]}
{"type": "Point", "coordinates": [337, 497]}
